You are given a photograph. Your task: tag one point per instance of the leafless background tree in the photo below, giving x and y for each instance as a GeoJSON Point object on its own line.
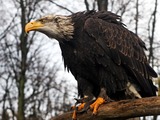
{"type": "Point", "coordinates": [29, 84]}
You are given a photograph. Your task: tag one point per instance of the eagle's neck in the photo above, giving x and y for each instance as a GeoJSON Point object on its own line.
{"type": "Point", "coordinates": [66, 28]}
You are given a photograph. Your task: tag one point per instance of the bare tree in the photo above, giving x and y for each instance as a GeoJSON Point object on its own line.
{"type": "Point", "coordinates": [151, 33]}
{"type": "Point", "coordinates": [29, 85]}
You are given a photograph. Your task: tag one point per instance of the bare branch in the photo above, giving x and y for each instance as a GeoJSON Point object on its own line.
{"type": "Point", "coordinates": [120, 110]}
{"type": "Point", "coordinates": [137, 16]}
{"type": "Point", "coordinates": [87, 5]}
{"type": "Point", "coordinates": [151, 35]}
{"type": "Point", "coordinates": [61, 6]}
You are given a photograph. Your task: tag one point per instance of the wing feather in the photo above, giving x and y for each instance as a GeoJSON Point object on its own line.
{"type": "Point", "coordinates": [123, 47]}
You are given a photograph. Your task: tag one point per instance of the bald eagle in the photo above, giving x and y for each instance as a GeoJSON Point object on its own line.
{"type": "Point", "coordinates": [107, 60]}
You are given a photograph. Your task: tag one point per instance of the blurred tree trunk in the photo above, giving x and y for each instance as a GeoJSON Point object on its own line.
{"type": "Point", "coordinates": [5, 115]}
{"type": "Point", "coordinates": [102, 5]}
{"type": "Point", "coordinates": [87, 5]}
{"type": "Point", "coordinates": [137, 16]}
{"type": "Point", "coordinates": [151, 31]}
{"type": "Point", "coordinates": [24, 51]}
{"type": "Point", "coordinates": [155, 117]}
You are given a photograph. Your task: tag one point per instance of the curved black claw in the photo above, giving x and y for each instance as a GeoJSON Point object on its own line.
{"type": "Point", "coordinates": [83, 107]}
{"type": "Point", "coordinates": [81, 100]}
{"type": "Point", "coordinates": [88, 101]}
{"type": "Point", "coordinates": [85, 103]}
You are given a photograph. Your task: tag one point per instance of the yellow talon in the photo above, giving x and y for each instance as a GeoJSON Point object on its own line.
{"type": "Point", "coordinates": [74, 115]}
{"type": "Point", "coordinates": [80, 107]}
{"type": "Point", "coordinates": [93, 106]}
{"type": "Point", "coordinates": [96, 104]}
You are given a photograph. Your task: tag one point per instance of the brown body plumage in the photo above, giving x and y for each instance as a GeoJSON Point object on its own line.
{"type": "Point", "coordinates": [101, 54]}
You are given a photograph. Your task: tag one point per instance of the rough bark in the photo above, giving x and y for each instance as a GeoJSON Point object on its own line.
{"type": "Point", "coordinates": [21, 81]}
{"type": "Point", "coordinates": [120, 110]}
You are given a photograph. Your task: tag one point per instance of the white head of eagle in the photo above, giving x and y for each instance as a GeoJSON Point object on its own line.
{"type": "Point", "coordinates": [54, 26]}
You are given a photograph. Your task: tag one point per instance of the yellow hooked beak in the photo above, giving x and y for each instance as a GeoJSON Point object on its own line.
{"type": "Point", "coordinates": [34, 25]}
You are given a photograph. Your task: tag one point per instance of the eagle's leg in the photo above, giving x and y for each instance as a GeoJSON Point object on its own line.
{"type": "Point", "coordinates": [102, 98]}
{"type": "Point", "coordinates": [85, 103]}
{"type": "Point", "coordinates": [85, 90]}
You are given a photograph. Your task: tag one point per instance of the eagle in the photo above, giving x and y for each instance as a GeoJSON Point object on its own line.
{"type": "Point", "coordinates": [107, 60]}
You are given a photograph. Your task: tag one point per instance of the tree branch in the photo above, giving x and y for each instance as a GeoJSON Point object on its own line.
{"type": "Point", "coordinates": [61, 6]}
{"type": "Point", "coordinates": [120, 110]}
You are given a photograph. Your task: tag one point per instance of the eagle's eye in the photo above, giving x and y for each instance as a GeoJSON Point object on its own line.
{"type": "Point", "coordinates": [41, 20]}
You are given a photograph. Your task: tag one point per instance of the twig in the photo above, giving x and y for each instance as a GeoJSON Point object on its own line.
{"type": "Point", "coordinates": [61, 6]}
